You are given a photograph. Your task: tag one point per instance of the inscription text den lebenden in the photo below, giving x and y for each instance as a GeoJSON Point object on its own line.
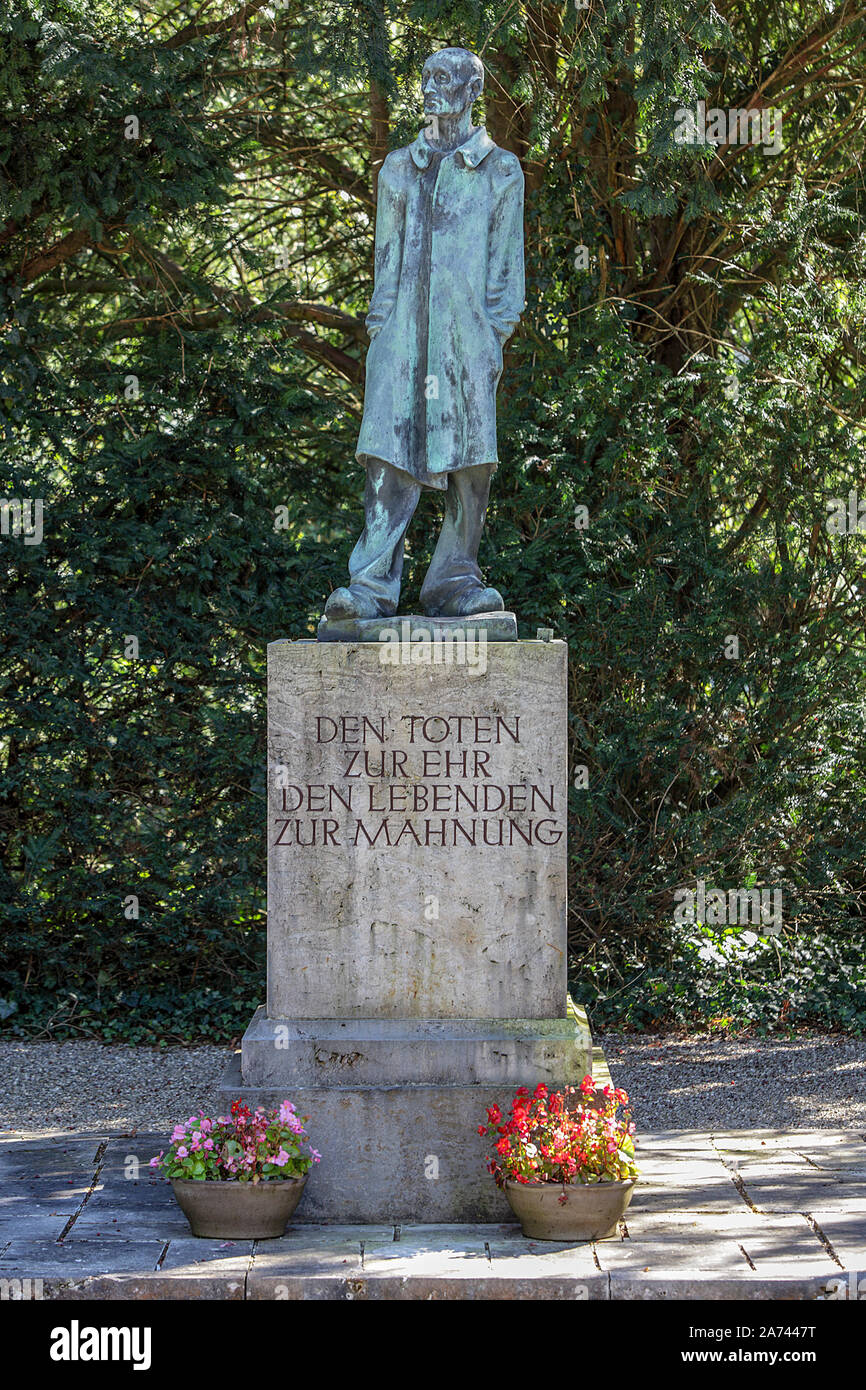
{"type": "Point", "coordinates": [421, 792]}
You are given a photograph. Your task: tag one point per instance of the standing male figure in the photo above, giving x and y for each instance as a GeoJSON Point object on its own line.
{"type": "Point", "coordinates": [448, 292]}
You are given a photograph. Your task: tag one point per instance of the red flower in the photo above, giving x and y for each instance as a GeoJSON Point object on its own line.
{"type": "Point", "coordinates": [540, 1091]}
{"type": "Point", "coordinates": [494, 1114]}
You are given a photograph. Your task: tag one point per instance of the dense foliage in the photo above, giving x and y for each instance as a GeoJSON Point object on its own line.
{"type": "Point", "coordinates": [188, 195]}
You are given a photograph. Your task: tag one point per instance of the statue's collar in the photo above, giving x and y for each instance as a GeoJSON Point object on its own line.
{"type": "Point", "coordinates": [471, 152]}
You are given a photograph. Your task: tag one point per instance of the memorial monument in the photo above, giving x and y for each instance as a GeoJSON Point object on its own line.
{"type": "Point", "coordinates": [417, 765]}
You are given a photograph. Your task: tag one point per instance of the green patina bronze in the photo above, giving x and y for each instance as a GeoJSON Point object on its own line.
{"type": "Point", "coordinates": [449, 290]}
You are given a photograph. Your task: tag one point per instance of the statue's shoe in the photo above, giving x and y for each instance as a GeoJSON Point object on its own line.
{"type": "Point", "coordinates": [351, 603]}
{"type": "Point", "coordinates": [467, 604]}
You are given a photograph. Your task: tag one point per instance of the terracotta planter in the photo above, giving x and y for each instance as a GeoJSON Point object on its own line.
{"type": "Point", "coordinates": [238, 1210]}
{"type": "Point", "coordinates": [590, 1211]}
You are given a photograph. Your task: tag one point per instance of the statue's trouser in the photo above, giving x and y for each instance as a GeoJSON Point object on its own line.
{"type": "Point", "coordinates": [390, 498]}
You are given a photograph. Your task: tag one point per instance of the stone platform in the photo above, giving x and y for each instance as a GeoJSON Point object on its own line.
{"type": "Point", "coordinates": [401, 1102]}
{"type": "Point", "coordinates": [736, 1215]}
{"type": "Point", "coordinates": [416, 627]}
{"type": "Point", "coordinates": [403, 1098]}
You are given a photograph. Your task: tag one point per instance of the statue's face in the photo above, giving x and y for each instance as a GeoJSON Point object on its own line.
{"type": "Point", "coordinates": [449, 85]}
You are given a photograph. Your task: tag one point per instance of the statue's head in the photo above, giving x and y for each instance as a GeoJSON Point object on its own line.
{"type": "Point", "coordinates": [451, 81]}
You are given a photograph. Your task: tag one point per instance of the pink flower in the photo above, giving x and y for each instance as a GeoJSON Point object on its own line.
{"type": "Point", "coordinates": [315, 1155]}
{"type": "Point", "coordinates": [208, 1144]}
{"type": "Point", "coordinates": [183, 1151]}
{"type": "Point", "coordinates": [281, 1159]}
{"type": "Point", "coordinates": [286, 1110]}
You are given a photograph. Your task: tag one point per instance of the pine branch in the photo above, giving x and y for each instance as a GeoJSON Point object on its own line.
{"type": "Point", "coordinates": [193, 31]}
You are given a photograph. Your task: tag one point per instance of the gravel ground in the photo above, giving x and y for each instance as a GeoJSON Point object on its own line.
{"type": "Point", "coordinates": [725, 1083]}
{"type": "Point", "coordinates": [691, 1083]}
{"type": "Point", "coordinates": [52, 1087]}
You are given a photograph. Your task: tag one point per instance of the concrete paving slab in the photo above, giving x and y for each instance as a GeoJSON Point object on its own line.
{"type": "Point", "coordinates": [196, 1268]}
{"type": "Point", "coordinates": [660, 1195]}
{"type": "Point", "coordinates": [676, 1242]}
{"type": "Point", "coordinates": [185, 1268]}
{"type": "Point", "coordinates": [44, 1185]}
{"type": "Point", "coordinates": [136, 1208]}
{"type": "Point", "coordinates": [784, 1138]}
{"type": "Point", "coordinates": [15, 1143]}
{"type": "Point", "coordinates": [675, 1141]}
{"type": "Point", "coordinates": [738, 1256]}
{"type": "Point", "coordinates": [558, 1269]}
{"type": "Point", "coordinates": [796, 1187]}
{"type": "Point", "coordinates": [311, 1262]}
{"type": "Point", "coordinates": [841, 1163]}
{"type": "Point", "coordinates": [402, 1241]}
{"type": "Point", "coordinates": [41, 1222]}
{"type": "Point", "coordinates": [713, 1243]}
{"type": "Point", "coordinates": [312, 1249]}
{"type": "Point", "coordinates": [48, 1162]}
{"type": "Point", "coordinates": [853, 1166]}
{"type": "Point", "coordinates": [433, 1255]}
{"type": "Point", "coordinates": [699, 1166]}
{"type": "Point", "coordinates": [129, 1156]}
{"type": "Point", "coordinates": [109, 1222]}
{"type": "Point", "coordinates": [48, 1259]}
{"type": "Point", "coordinates": [822, 1146]}
{"type": "Point", "coordinates": [782, 1242]}
{"type": "Point", "coordinates": [51, 1201]}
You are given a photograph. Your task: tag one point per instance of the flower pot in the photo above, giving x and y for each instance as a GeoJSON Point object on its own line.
{"type": "Point", "coordinates": [590, 1210]}
{"type": "Point", "coordinates": [238, 1210]}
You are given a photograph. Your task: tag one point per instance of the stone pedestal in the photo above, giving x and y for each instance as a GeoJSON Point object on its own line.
{"type": "Point", "coordinates": [416, 915]}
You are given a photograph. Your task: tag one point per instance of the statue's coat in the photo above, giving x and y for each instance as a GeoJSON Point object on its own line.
{"type": "Point", "coordinates": [449, 290]}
